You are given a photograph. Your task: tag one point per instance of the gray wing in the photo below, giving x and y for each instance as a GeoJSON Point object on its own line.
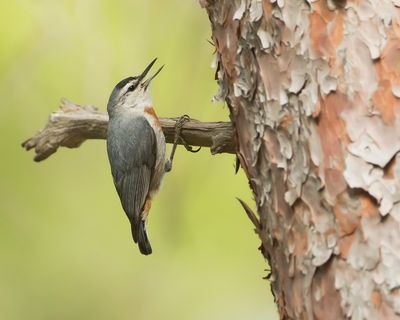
{"type": "Point", "coordinates": [132, 150]}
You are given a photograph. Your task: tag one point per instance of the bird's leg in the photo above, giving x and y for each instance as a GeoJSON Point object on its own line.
{"type": "Point", "coordinates": [178, 128]}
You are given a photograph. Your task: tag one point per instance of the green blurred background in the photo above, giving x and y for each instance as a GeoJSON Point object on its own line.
{"type": "Point", "coordinates": [66, 248]}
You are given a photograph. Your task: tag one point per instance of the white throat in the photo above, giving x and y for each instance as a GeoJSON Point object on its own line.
{"type": "Point", "coordinates": [139, 101]}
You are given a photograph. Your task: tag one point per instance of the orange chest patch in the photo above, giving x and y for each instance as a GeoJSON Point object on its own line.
{"type": "Point", "coordinates": [150, 111]}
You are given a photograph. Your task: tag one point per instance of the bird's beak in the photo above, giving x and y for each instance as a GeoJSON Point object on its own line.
{"type": "Point", "coordinates": [146, 83]}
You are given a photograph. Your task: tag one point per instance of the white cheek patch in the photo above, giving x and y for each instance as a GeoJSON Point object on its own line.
{"type": "Point", "coordinates": [122, 100]}
{"type": "Point", "coordinates": [138, 99]}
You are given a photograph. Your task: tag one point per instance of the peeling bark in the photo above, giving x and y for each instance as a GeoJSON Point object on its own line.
{"type": "Point", "coordinates": [313, 90]}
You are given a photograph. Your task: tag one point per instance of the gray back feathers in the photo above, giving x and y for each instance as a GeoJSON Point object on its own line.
{"type": "Point", "coordinates": [132, 151]}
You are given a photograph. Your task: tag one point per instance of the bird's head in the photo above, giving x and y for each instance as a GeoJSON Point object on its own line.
{"type": "Point", "coordinates": [132, 91]}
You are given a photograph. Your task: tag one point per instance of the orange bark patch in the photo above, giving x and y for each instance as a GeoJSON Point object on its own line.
{"type": "Point", "coordinates": [150, 111]}
{"type": "Point", "coordinates": [385, 101]}
{"type": "Point", "coordinates": [326, 30]}
{"type": "Point", "coordinates": [334, 139]}
{"type": "Point", "coordinates": [345, 245]}
{"type": "Point", "coordinates": [320, 39]}
{"type": "Point", "coordinates": [348, 213]}
{"type": "Point", "coordinates": [390, 57]}
{"type": "Point", "coordinates": [376, 298]}
{"type": "Point", "coordinates": [337, 29]}
{"type": "Point", "coordinates": [267, 8]}
{"type": "Point", "coordinates": [349, 209]}
{"type": "Point", "coordinates": [388, 71]}
{"type": "Point", "coordinates": [369, 207]}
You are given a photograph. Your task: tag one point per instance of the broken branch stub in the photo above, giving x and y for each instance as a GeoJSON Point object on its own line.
{"type": "Point", "coordinates": [72, 124]}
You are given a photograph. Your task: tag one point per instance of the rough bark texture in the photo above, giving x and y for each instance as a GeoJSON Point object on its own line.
{"type": "Point", "coordinates": [73, 124]}
{"type": "Point", "coordinates": [313, 89]}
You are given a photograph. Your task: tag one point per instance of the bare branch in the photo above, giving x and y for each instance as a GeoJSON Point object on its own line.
{"type": "Point", "coordinates": [73, 124]}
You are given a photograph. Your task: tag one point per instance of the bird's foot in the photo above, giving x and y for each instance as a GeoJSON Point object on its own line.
{"type": "Point", "coordinates": [178, 128]}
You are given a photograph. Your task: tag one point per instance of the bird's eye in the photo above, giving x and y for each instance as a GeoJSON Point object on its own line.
{"type": "Point", "coordinates": [131, 88]}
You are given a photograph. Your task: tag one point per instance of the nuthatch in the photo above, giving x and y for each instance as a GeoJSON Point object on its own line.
{"type": "Point", "coordinates": [136, 151]}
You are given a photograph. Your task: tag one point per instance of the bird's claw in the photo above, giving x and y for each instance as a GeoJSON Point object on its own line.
{"type": "Point", "coordinates": [178, 128]}
{"type": "Point", "coordinates": [189, 147]}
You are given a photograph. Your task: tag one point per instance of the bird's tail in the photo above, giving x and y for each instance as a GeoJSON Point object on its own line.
{"type": "Point", "coordinates": [142, 239]}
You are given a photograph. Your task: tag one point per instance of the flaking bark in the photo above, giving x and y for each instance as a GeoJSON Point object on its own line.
{"type": "Point", "coordinates": [313, 90]}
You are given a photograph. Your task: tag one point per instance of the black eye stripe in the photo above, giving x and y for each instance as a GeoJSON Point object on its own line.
{"type": "Point", "coordinates": [124, 82]}
{"type": "Point", "coordinates": [132, 87]}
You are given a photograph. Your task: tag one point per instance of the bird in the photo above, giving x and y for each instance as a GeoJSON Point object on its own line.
{"type": "Point", "coordinates": [136, 151]}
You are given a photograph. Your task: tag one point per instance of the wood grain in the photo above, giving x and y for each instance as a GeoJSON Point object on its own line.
{"type": "Point", "coordinates": [73, 124]}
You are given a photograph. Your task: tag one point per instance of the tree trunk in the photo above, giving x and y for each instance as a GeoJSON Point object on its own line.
{"type": "Point", "coordinates": [313, 91]}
